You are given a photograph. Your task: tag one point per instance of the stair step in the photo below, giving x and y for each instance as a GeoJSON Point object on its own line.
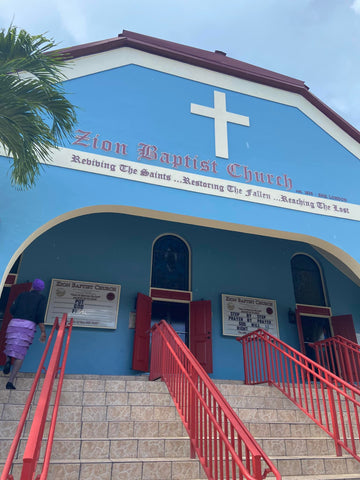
{"type": "Point", "coordinates": [315, 465]}
{"type": "Point", "coordinates": [112, 428]}
{"type": "Point", "coordinates": [124, 469]}
{"type": "Point", "coordinates": [109, 449]}
{"type": "Point", "coordinates": [272, 415]}
{"type": "Point", "coordinates": [279, 429]}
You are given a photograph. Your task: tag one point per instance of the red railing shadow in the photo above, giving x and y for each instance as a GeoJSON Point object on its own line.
{"type": "Point", "coordinates": [225, 448]}
{"type": "Point", "coordinates": [33, 445]}
{"type": "Point", "coordinates": [328, 400]}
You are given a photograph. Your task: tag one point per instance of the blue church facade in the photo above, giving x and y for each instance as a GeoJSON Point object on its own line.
{"type": "Point", "coordinates": [244, 166]}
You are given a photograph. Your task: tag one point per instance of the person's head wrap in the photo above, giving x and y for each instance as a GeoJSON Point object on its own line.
{"type": "Point", "coordinates": [38, 284]}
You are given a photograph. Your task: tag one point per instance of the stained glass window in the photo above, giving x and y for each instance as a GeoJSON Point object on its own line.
{"type": "Point", "coordinates": [308, 286]}
{"type": "Point", "coordinates": [170, 263]}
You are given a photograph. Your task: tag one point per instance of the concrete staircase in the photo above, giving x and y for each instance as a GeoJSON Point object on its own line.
{"type": "Point", "coordinates": [298, 448]}
{"type": "Point", "coordinates": [108, 428]}
{"type": "Point", "coordinates": [112, 428]}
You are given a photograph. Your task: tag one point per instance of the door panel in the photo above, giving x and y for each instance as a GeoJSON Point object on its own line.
{"type": "Point", "coordinates": [344, 325]}
{"type": "Point", "coordinates": [175, 314]}
{"type": "Point", "coordinates": [300, 331]}
{"type": "Point", "coordinates": [201, 333]}
{"type": "Point", "coordinates": [308, 313]}
{"type": "Point", "coordinates": [14, 293]}
{"type": "Point", "coordinates": [142, 333]}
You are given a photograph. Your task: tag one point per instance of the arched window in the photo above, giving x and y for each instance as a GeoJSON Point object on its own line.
{"type": "Point", "coordinates": [170, 263]}
{"type": "Point", "coordinates": [308, 285]}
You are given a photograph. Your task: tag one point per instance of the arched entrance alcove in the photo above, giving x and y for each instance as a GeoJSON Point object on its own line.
{"type": "Point", "coordinates": [343, 261]}
{"type": "Point", "coordinates": [114, 245]}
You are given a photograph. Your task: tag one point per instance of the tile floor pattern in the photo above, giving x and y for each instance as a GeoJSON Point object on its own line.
{"type": "Point", "coordinates": [299, 449]}
{"type": "Point", "coordinates": [108, 428]}
{"type": "Point", "coordinates": [122, 428]}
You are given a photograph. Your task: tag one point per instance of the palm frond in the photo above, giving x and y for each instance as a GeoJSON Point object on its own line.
{"type": "Point", "coordinates": [35, 115]}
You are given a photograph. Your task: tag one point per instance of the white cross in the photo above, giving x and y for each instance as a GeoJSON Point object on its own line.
{"type": "Point", "coordinates": [221, 118]}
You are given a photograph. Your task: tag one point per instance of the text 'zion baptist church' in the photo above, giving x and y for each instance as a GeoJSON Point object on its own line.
{"type": "Point", "coordinates": [151, 153]}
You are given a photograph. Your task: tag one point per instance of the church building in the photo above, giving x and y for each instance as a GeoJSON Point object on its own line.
{"type": "Point", "coordinates": [196, 188]}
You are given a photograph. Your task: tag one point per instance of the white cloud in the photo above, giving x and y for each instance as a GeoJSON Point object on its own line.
{"type": "Point", "coordinates": [356, 6]}
{"type": "Point", "coordinates": [74, 19]}
{"type": "Point", "coordinates": [313, 40]}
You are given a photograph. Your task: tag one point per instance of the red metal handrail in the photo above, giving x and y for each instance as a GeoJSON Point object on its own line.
{"type": "Point", "coordinates": [5, 475]}
{"type": "Point", "coordinates": [329, 401]}
{"type": "Point", "coordinates": [33, 445]}
{"type": "Point", "coordinates": [224, 446]}
{"type": "Point", "coordinates": [46, 464]}
{"type": "Point", "coordinates": [340, 356]}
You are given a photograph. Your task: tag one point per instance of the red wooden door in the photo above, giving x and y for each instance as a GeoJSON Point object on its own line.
{"type": "Point", "coordinates": [201, 334]}
{"type": "Point", "coordinates": [14, 293]}
{"type": "Point", "coordinates": [344, 325]}
{"type": "Point", "coordinates": [141, 348]}
{"type": "Point", "coordinates": [308, 313]}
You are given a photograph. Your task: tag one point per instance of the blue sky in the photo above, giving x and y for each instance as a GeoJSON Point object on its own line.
{"type": "Point", "coordinates": [317, 41]}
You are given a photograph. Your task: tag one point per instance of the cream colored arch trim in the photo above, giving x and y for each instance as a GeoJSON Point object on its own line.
{"type": "Point", "coordinates": [342, 260]}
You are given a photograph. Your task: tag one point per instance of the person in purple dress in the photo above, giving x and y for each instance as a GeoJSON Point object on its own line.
{"type": "Point", "coordinates": [28, 311]}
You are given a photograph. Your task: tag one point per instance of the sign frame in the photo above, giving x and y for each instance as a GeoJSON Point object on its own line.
{"type": "Point", "coordinates": [242, 307]}
{"type": "Point", "coordinates": [75, 290]}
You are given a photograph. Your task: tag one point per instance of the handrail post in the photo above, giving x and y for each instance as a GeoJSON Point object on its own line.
{"type": "Point", "coordinates": [162, 361]}
{"type": "Point", "coordinates": [244, 347]}
{"type": "Point", "coordinates": [334, 421]}
{"type": "Point", "coordinates": [348, 367]}
{"type": "Point", "coordinates": [267, 355]}
{"type": "Point", "coordinates": [192, 416]}
{"type": "Point", "coordinates": [257, 467]}
{"type": "Point", "coordinates": [317, 352]}
{"type": "Point", "coordinates": [154, 360]}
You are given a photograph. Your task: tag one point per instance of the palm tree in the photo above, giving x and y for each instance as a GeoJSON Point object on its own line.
{"type": "Point", "coordinates": [35, 115]}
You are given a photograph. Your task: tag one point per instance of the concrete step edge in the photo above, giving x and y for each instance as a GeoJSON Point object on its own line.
{"type": "Point", "coordinates": [101, 439]}
{"type": "Point", "coordinates": [184, 437]}
{"type": "Point", "coordinates": [339, 476]}
{"type": "Point", "coordinates": [329, 456]}
{"type": "Point", "coordinates": [80, 461]}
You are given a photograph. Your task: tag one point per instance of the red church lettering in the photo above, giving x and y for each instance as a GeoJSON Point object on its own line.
{"type": "Point", "coordinates": [85, 139]}
{"type": "Point", "coordinates": [147, 152]}
{"type": "Point", "coordinates": [82, 138]}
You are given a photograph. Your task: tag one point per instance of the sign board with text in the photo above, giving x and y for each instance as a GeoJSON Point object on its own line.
{"type": "Point", "coordinates": [232, 188]}
{"type": "Point", "coordinates": [89, 304]}
{"type": "Point", "coordinates": [242, 315]}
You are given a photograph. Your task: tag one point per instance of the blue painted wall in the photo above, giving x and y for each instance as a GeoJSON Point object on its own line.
{"type": "Point", "coordinates": [132, 105]}
{"type": "Point", "coordinates": [116, 248]}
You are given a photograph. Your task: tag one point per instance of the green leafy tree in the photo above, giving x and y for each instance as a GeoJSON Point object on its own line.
{"type": "Point", "coordinates": [35, 115]}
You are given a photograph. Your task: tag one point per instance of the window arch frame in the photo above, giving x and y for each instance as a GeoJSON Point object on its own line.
{"type": "Point", "coordinates": [322, 279]}
{"type": "Point", "coordinates": [167, 234]}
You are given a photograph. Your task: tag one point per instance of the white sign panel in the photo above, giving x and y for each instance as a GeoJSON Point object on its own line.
{"type": "Point", "coordinates": [242, 315]}
{"type": "Point", "coordinates": [89, 304]}
{"type": "Point", "coordinates": [173, 178]}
